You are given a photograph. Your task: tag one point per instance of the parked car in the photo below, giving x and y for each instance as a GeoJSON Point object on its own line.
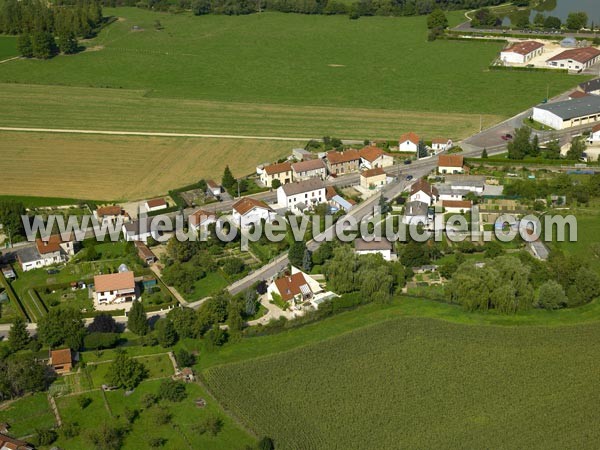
{"type": "Point", "coordinates": [506, 137]}
{"type": "Point", "coordinates": [407, 161]}
{"type": "Point", "coordinates": [409, 177]}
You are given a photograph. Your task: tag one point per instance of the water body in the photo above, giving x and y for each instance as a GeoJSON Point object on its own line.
{"type": "Point", "coordinates": [562, 8]}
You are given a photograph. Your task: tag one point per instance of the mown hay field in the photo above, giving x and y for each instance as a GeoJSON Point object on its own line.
{"type": "Point", "coordinates": [423, 383]}
{"type": "Point", "coordinates": [257, 61]}
{"type": "Point", "coordinates": [102, 167]}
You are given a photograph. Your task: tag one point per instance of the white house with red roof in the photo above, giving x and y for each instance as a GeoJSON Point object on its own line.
{"type": "Point", "coordinates": [248, 211]}
{"type": "Point", "coordinates": [201, 219]}
{"type": "Point", "coordinates": [156, 204]}
{"type": "Point", "coordinates": [114, 288]}
{"type": "Point", "coordinates": [521, 52]}
{"type": "Point", "coordinates": [47, 251]}
{"type": "Point", "coordinates": [280, 171]}
{"type": "Point", "coordinates": [422, 191]}
{"type": "Point", "coordinates": [575, 59]}
{"type": "Point", "coordinates": [409, 142]}
{"type": "Point", "coordinates": [450, 164]}
{"type": "Point", "coordinates": [302, 196]}
{"type": "Point", "coordinates": [372, 157]}
{"type": "Point", "coordinates": [441, 144]}
{"type": "Point", "coordinates": [297, 288]}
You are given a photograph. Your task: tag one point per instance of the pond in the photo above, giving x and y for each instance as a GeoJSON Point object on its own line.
{"type": "Point", "coordinates": [562, 8]}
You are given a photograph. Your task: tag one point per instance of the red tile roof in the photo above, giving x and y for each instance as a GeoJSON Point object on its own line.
{"type": "Point", "coordinates": [200, 216]}
{"type": "Point", "coordinates": [278, 168]}
{"type": "Point", "coordinates": [114, 210]}
{"type": "Point", "coordinates": [372, 172]}
{"type": "Point", "coordinates": [212, 184]}
{"type": "Point", "coordinates": [596, 128]}
{"type": "Point", "coordinates": [342, 157]}
{"type": "Point", "coordinates": [289, 286]}
{"type": "Point", "coordinates": [465, 204]}
{"type": "Point", "coordinates": [247, 204]}
{"type": "Point", "coordinates": [450, 161]}
{"type": "Point", "coordinates": [371, 153]}
{"type": "Point", "coordinates": [412, 137]}
{"type": "Point", "coordinates": [581, 55]}
{"type": "Point", "coordinates": [524, 48]}
{"type": "Point", "coordinates": [155, 202]}
{"type": "Point", "coordinates": [424, 186]}
{"type": "Point", "coordinates": [51, 245]}
{"type": "Point", "coordinates": [13, 444]}
{"type": "Point", "coordinates": [60, 357]}
{"type": "Point", "coordinates": [578, 94]}
{"type": "Point", "coordinates": [330, 192]}
{"type": "Point", "coordinates": [114, 282]}
{"type": "Point", "coordinates": [440, 141]}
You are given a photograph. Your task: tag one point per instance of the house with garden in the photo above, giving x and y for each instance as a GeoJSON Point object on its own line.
{"type": "Point", "coordinates": [282, 172]}
{"type": "Point", "coordinates": [296, 289]}
{"type": "Point", "coordinates": [114, 289]}
{"type": "Point", "coordinates": [311, 168]}
{"type": "Point", "coordinates": [248, 211]}
{"type": "Point", "coordinates": [409, 143]}
{"type": "Point", "coordinates": [450, 164]}
{"type": "Point", "coordinates": [201, 219]}
{"type": "Point", "coordinates": [422, 191]}
{"type": "Point", "coordinates": [302, 196]}
{"type": "Point", "coordinates": [47, 251]}
{"type": "Point", "coordinates": [373, 178]}
{"type": "Point", "coordinates": [110, 214]}
{"type": "Point", "coordinates": [377, 246]}
{"type": "Point", "coordinates": [339, 163]}
{"type": "Point", "coordinates": [372, 157]}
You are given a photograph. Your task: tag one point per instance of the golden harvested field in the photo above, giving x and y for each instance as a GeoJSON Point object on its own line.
{"type": "Point", "coordinates": [101, 167]}
{"type": "Point", "coordinates": [32, 106]}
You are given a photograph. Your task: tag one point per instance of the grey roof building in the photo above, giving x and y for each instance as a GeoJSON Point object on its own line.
{"type": "Point", "coordinates": [591, 87]}
{"type": "Point", "coordinates": [570, 109]}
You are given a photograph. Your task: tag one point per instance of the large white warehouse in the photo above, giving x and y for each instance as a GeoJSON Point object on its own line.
{"type": "Point", "coordinates": [569, 113]}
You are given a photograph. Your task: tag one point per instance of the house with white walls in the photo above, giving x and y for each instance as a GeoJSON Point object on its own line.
{"type": "Point", "coordinates": [302, 196]}
{"type": "Point", "coordinates": [248, 211]}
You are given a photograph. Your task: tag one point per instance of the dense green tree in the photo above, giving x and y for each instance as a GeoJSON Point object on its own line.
{"type": "Point", "coordinates": [275, 183]}
{"type": "Point", "coordinates": [45, 436]}
{"type": "Point", "coordinates": [43, 45]}
{"type": "Point", "coordinates": [24, 46]}
{"type": "Point", "coordinates": [250, 299]}
{"type": "Point", "coordinates": [165, 333]}
{"type": "Point", "coordinates": [484, 154]}
{"type": "Point", "coordinates": [103, 323]}
{"type": "Point", "coordinates": [213, 311]}
{"type": "Point", "coordinates": [437, 19]}
{"type": "Point", "coordinates": [106, 437]}
{"type": "Point", "coordinates": [21, 374]}
{"type": "Point", "coordinates": [296, 253]}
{"type": "Point", "coordinates": [137, 322]}
{"type": "Point", "coordinates": [62, 327]}
{"type": "Point", "coordinates": [552, 150]}
{"type": "Point", "coordinates": [577, 148]}
{"type": "Point", "coordinates": [125, 372]}
{"type": "Point", "coordinates": [266, 443]}
{"type": "Point", "coordinates": [585, 287]}
{"type": "Point", "coordinates": [228, 180]}
{"type": "Point", "coordinates": [184, 321]}
{"type": "Point", "coordinates": [552, 23]}
{"type": "Point", "coordinates": [67, 42]}
{"type": "Point", "coordinates": [551, 295]}
{"type": "Point", "coordinates": [201, 7]}
{"type": "Point", "coordinates": [18, 336]}
{"type": "Point", "coordinates": [171, 390]}
{"type": "Point", "coordinates": [539, 20]}
{"type": "Point", "coordinates": [215, 337]}
{"type": "Point", "coordinates": [577, 20]}
{"type": "Point", "coordinates": [184, 358]}
{"type": "Point", "coordinates": [233, 265]}
{"type": "Point", "coordinates": [520, 146]}
{"type": "Point", "coordinates": [11, 213]}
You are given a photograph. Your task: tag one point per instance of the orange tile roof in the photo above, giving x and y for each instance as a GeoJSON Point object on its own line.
{"type": "Point", "coordinates": [278, 168]}
{"type": "Point", "coordinates": [451, 161]}
{"type": "Point", "coordinates": [62, 356]}
{"type": "Point", "coordinates": [439, 141]}
{"type": "Point", "coordinates": [578, 94]}
{"type": "Point", "coordinates": [51, 245]}
{"type": "Point", "coordinates": [289, 286]}
{"type": "Point", "coordinates": [115, 210]}
{"type": "Point", "coordinates": [524, 48]}
{"type": "Point", "coordinates": [114, 282]}
{"type": "Point", "coordinates": [596, 128]}
{"type": "Point", "coordinates": [309, 164]}
{"type": "Point", "coordinates": [412, 137]}
{"type": "Point", "coordinates": [373, 172]}
{"type": "Point", "coordinates": [581, 55]}
{"type": "Point", "coordinates": [424, 186]}
{"type": "Point", "coordinates": [155, 202]}
{"type": "Point", "coordinates": [247, 204]}
{"type": "Point", "coordinates": [6, 442]}
{"type": "Point", "coordinates": [466, 204]}
{"type": "Point", "coordinates": [342, 157]}
{"type": "Point", "coordinates": [371, 153]}
{"type": "Point", "coordinates": [200, 216]}
{"type": "Point", "coordinates": [330, 192]}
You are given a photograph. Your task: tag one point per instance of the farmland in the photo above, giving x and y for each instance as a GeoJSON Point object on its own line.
{"type": "Point", "coordinates": [414, 383]}
{"type": "Point", "coordinates": [120, 167]}
{"type": "Point", "coordinates": [254, 67]}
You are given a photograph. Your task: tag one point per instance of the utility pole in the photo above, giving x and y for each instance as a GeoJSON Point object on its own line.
{"type": "Point", "coordinates": [480, 123]}
{"type": "Point", "coordinates": [238, 181]}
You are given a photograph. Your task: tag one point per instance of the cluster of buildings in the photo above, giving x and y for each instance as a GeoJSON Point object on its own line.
{"type": "Point", "coordinates": [575, 60]}
{"type": "Point", "coordinates": [309, 166]}
{"type": "Point", "coordinates": [53, 250]}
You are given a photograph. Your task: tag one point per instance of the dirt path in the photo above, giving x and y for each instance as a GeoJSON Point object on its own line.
{"type": "Point", "coordinates": [161, 134]}
{"type": "Point", "coordinates": [9, 59]}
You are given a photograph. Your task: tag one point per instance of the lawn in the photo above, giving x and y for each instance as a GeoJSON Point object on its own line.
{"type": "Point", "coordinates": [212, 283]}
{"type": "Point", "coordinates": [27, 414]}
{"type": "Point", "coordinates": [8, 47]}
{"type": "Point", "coordinates": [152, 165]}
{"type": "Point", "coordinates": [271, 74]}
{"type": "Point", "coordinates": [421, 383]}
{"type": "Point", "coordinates": [158, 366]}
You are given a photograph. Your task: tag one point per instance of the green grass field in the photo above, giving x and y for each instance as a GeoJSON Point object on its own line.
{"type": "Point", "coordinates": [27, 414]}
{"type": "Point", "coordinates": [419, 383]}
{"type": "Point", "coordinates": [239, 74]}
{"type": "Point", "coordinates": [8, 47]}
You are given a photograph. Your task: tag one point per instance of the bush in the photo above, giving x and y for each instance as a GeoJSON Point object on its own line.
{"type": "Point", "coordinates": [100, 341]}
{"type": "Point", "coordinates": [184, 358]}
{"type": "Point", "coordinates": [84, 401]}
{"type": "Point", "coordinates": [70, 430]}
{"type": "Point", "coordinates": [46, 437]}
{"type": "Point", "coordinates": [211, 425]}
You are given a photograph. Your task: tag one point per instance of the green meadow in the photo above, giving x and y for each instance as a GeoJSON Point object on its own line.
{"type": "Point", "coordinates": [237, 74]}
{"type": "Point", "coordinates": [8, 47]}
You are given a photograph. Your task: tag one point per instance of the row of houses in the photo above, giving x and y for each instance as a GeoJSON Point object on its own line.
{"type": "Point", "coordinates": [409, 143]}
{"type": "Point", "coordinates": [332, 163]}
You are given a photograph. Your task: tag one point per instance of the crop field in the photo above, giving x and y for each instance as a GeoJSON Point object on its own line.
{"type": "Point", "coordinates": [239, 74]}
{"type": "Point", "coordinates": [421, 383]}
{"type": "Point", "coordinates": [8, 47]}
{"type": "Point", "coordinates": [121, 167]}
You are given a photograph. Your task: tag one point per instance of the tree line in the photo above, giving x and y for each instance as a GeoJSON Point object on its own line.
{"type": "Point", "coordinates": [485, 17]}
{"type": "Point", "coordinates": [327, 7]}
{"type": "Point", "coordinates": [45, 28]}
